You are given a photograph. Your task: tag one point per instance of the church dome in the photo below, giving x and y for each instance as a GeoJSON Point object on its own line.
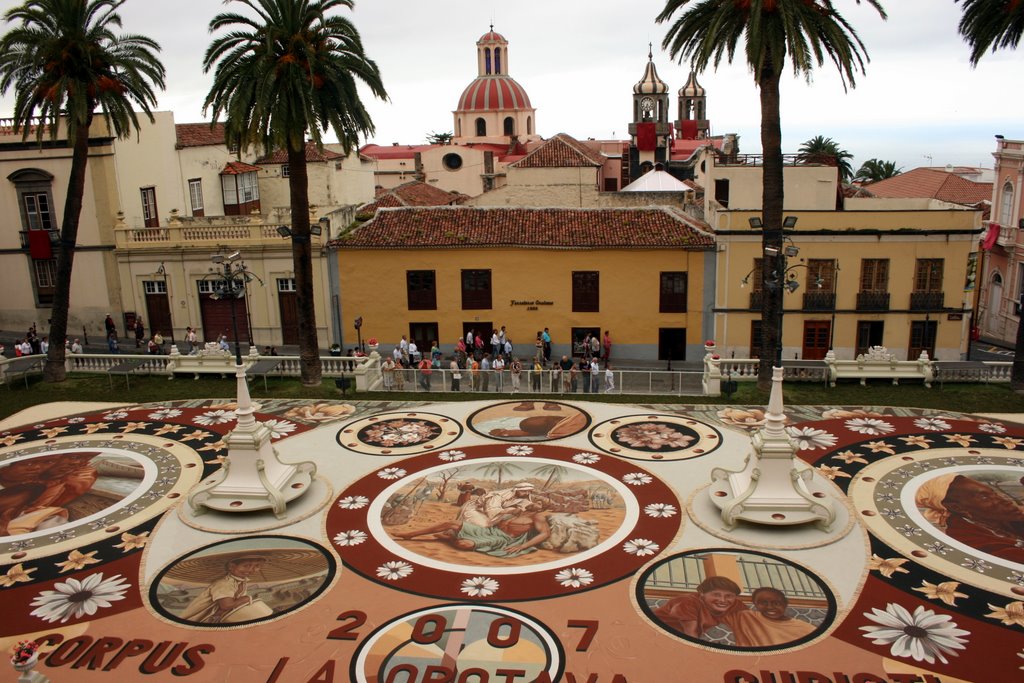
{"type": "Point", "coordinates": [494, 93]}
{"type": "Point", "coordinates": [692, 88]}
{"type": "Point", "coordinates": [650, 84]}
{"type": "Point", "coordinates": [491, 36]}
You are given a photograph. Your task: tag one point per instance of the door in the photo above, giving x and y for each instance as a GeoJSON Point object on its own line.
{"type": "Point", "coordinates": [482, 328]}
{"type": "Point", "coordinates": [816, 339]}
{"type": "Point", "coordinates": [424, 334]}
{"type": "Point", "coordinates": [158, 308]}
{"type": "Point", "coordinates": [993, 316]}
{"type": "Point", "coordinates": [672, 343]}
{"type": "Point", "coordinates": [869, 333]}
{"type": "Point", "coordinates": [288, 306]}
{"type": "Point", "coordinates": [216, 315]}
{"type": "Point", "coordinates": [922, 338]}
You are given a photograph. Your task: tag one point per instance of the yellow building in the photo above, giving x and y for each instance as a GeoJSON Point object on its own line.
{"type": "Point", "coordinates": [892, 273]}
{"type": "Point", "coordinates": [436, 273]}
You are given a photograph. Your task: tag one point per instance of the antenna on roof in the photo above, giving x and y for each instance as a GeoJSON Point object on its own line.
{"type": "Point", "coordinates": [928, 157]}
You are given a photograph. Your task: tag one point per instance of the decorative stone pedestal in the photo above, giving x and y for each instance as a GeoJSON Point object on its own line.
{"type": "Point", "coordinates": [252, 478]}
{"type": "Point", "coordinates": [773, 487]}
{"type": "Point", "coordinates": [26, 674]}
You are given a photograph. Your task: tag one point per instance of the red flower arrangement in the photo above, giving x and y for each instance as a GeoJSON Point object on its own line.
{"type": "Point", "coordinates": [372, 341]}
{"type": "Point", "coordinates": [24, 651]}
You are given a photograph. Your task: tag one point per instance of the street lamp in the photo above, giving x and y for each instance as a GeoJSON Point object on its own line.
{"type": "Point", "coordinates": [229, 283]}
{"type": "Point", "coordinates": [161, 271]}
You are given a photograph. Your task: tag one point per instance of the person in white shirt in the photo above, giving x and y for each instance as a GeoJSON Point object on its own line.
{"type": "Point", "coordinates": [499, 372]}
{"type": "Point", "coordinates": [414, 352]}
{"type": "Point", "coordinates": [26, 347]}
{"type": "Point", "coordinates": [595, 375]}
{"type": "Point", "coordinates": [76, 347]}
{"type": "Point", "coordinates": [44, 345]}
{"type": "Point", "coordinates": [609, 378]}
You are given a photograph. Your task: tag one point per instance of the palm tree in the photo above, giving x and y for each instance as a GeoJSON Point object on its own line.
{"type": "Point", "coordinates": [991, 23]}
{"type": "Point", "coordinates": [499, 469]}
{"type": "Point", "coordinates": [821, 149]}
{"type": "Point", "coordinates": [64, 62]}
{"type": "Point", "coordinates": [554, 474]}
{"type": "Point", "coordinates": [803, 31]}
{"type": "Point", "coordinates": [873, 170]}
{"type": "Point", "coordinates": [289, 72]}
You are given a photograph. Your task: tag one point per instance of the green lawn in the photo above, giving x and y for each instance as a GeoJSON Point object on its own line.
{"type": "Point", "coordinates": [967, 398]}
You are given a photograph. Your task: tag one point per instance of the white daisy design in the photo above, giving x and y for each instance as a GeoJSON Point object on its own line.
{"type": "Point", "coordinates": [391, 473]}
{"type": "Point", "coordinates": [574, 578]}
{"type": "Point", "coordinates": [869, 425]}
{"type": "Point", "coordinates": [353, 537]}
{"type": "Point", "coordinates": [113, 415]}
{"type": "Point", "coordinates": [810, 438]}
{"type": "Point", "coordinates": [641, 547]}
{"type": "Point", "coordinates": [637, 478]}
{"type": "Point", "coordinates": [479, 586]}
{"type": "Point", "coordinates": [586, 458]}
{"type": "Point", "coordinates": [394, 570]}
{"type": "Point", "coordinates": [73, 599]}
{"type": "Point", "coordinates": [923, 635]}
{"type": "Point", "coordinates": [75, 420]}
{"type": "Point", "coordinates": [215, 417]}
{"type": "Point", "coordinates": [519, 450]}
{"type": "Point", "coordinates": [451, 456]}
{"type": "Point", "coordinates": [992, 428]}
{"type": "Point", "coordinates": [279, 428]}
{"type": "Point", "coordinates": [661, 510]}
{"type": "Point", "coordinates": [932, 424]}
{"type": "Point", "coordinates": [163, 414]}
{"type": "Point", "coordinates": [353, 502]}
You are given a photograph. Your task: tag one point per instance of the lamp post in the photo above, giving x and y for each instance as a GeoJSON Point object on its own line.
{"type": "Point", "coordinates": [230, 284]}
{"type": "Point", "coordinates": [778, 255]}
{"type": "Point", "coordinates": [162, 272]}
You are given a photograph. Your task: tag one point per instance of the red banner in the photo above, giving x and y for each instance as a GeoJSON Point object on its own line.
{"type": "Point", "coordinates": [991, 236]}
{"type": "Point", "coordinates": [646, 137]}
{"type": "Point", "coordinates": [39, 245]}
{"type": "Point", "coordinates": [688, 130]}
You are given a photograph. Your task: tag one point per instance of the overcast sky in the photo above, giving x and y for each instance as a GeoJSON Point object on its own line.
{"type": "Point", "coordinates": [919, 104]}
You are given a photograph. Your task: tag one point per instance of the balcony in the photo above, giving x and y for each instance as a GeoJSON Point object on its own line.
{"type": "Point", "coordinates": [927, 301]}
{"type": "Point", "coordinates": [207, 231]}
{"type": "Point", "coordinates": [23, 234]}
{"type": "Point", "coordinates": [819, 301]}
{"type": "Point", "coordinates": [872, 301]}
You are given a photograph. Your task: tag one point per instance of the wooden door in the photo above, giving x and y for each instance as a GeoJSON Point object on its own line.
{"type": "Point", "coordinates": [288, 305]}
{"type": "Point", "coordinates": [816, 339]}
{"type": "Point", "coordinates": [158, 314]}
{"type": "Point", "coordinates": [216, 315]}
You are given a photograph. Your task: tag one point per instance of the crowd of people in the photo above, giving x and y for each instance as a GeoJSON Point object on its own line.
{"type": "Point", "coordinates": [480, 365]}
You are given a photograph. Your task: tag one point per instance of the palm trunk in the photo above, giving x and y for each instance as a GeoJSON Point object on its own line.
{"type": "Point", "coordinates": [771, 218]}
{"type": "Point", "coordinates": [54, 370]}
{"type": "Point", "coordinates": [302, 257]}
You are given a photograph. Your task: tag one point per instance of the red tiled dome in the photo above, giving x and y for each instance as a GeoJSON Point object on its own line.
{"type": "Point", "coordinates": [494, 93]}
{"type": "Point", "coordinates": [492, 37]}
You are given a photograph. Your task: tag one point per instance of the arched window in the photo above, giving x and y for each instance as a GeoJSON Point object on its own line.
{"type": "Point", "coordinates": [1006, 204]}
{"type": "Point", "coordinates": [509, 126]}
{"type": "Point", "coordinates": [487, 60]}
{"type": "Point", "coordinates": [481, 127]}
{"type": "Point", "coordinates": [529, 125]}
{"type": "Point", "coordinates": [458, 126]}
{"type": "Point", "coordinates": [497, 60]}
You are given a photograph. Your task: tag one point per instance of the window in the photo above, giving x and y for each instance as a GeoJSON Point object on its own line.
{"type": "Point", "coordinates": [481, 127]}
{"type": "Point", "coordinates": [586, 291]}
{"type": "Point", "coordinates": [509, 126]}
{"type": "Point", "coordinates": [286, 284]}
{"type": "Point", "coordinates": [286, 172]}
{"type": "Point", "coordinates": [154, 286]}
{"type": "Point", "coordinates": [195, 193]}
{"type": "Point", "coordinates": [722, 192]}
{"type": "Point", "coordinates": [476, 289]}
{"type": "Point", "coordinates": [673, 293]}
{"type": "Point", "coordinates": [922, 338]}
{"type": "Point", "coordinates": [241, 193]}
{"type": "Point", "coordinates": [149, 215]}
{"type": "Point", "coordinates": [756, 277]}
{"type": "Point", "coordinates": [422, 291]}
{"type": "Point", "coordinates": [869, 333]}
{"type": "Point", "coordinates": [487, 60]}
{"type": "Point", "coordinates": [205, 286]}
{"type": "Point", "coordinates": [529, 125]}
{"type": "Point", "coordinates": [928, 275]}
{"type": "Point", "coordinates": [46, 273]}
{"type": "Point", "coordinates": [874, 275]}
{"type": "Point", "coordinates": [452, 161]}
{"type": "Point", "coordinates": [755, 338]}
{"type": "Point", "coordinates": [823, 270]}
{"type": "Point", "coordinates": [37, 211]}
{"type": "Point", "coordinates": [497, 60]}
{"type": "Point", "coordinates": [1006, 204]}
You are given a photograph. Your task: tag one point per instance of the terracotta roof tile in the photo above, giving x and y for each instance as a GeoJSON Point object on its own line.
{"type": "Point", "coordinates": [559, 152]}
{"type": "Point", "coordinates": [458, 227]}
{"type": "Point", "coordinates": [932, 183]}
{"type": "Point", "coordinates": [237, 167]}
{"type": "Point", "coordinates": [312, 154]}
{"type": "Point", "coordinates": [198, 134]}
{"type": "Point", "coordinates": [412, 193]}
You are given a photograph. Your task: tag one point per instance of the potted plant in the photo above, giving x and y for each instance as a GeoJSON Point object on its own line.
{"type": "Point", "coordinates": [335, 349]}
{"type": "Point", "coordinates": [25, 656]}
{"type": "Point", "coordinates": [372, 343]}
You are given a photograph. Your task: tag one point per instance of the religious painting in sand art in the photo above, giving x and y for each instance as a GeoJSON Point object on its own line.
{"type": "Point", "coordinates": [242, 581]}
{"type": "Point", "coordinates": [736, 600]}
{"type": "Point", "coordinates": [529, 421]}
{"type": "Point", "coordinates": [43, 492]}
